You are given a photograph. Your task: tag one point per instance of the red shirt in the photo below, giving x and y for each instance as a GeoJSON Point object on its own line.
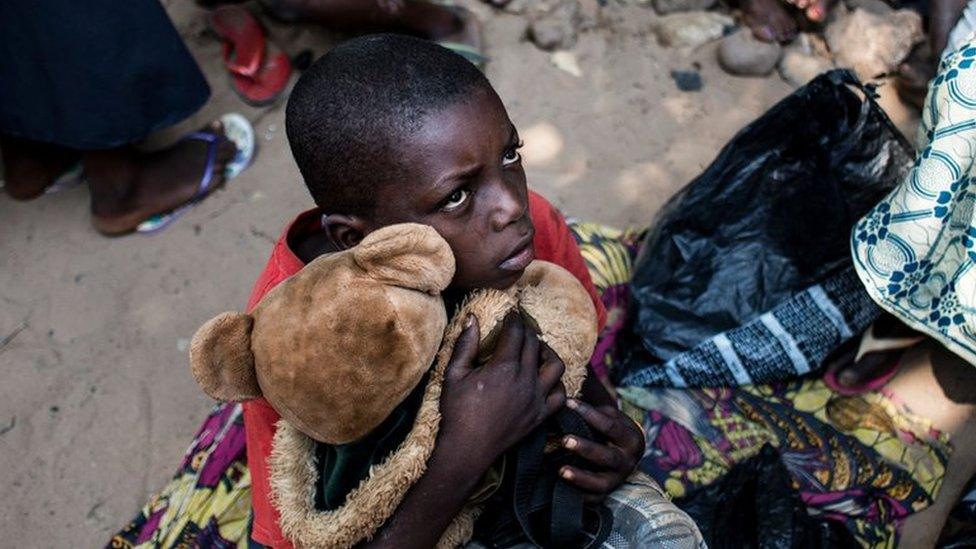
{"type": "Point", "coordinates": [553, 242]}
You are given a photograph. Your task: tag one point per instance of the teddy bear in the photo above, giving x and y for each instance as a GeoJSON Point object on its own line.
{"type": "Point", "coordinates": [335, 348]}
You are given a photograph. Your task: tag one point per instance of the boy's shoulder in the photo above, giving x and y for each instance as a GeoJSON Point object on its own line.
{"type": "Point", "coordinates": [284, 262]}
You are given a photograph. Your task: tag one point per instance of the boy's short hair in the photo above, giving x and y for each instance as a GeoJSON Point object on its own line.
{"type": "Point", "coordinates": [352, 108]}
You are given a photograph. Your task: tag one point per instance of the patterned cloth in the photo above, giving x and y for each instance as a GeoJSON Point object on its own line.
{"type": "Point", "coordinates": [864, 460]}
{"type": "Point", "coordinates": [916, 250]}
{"type": "Point", "coordinates": [208, 501]}
{"type": "Point", "coordinates": [792, 339]}
{"type": "Point", "coordinates": [609, 256]}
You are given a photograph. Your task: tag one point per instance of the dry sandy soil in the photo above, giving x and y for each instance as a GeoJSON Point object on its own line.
{"type": "Point", "coordinates": [96, 400]}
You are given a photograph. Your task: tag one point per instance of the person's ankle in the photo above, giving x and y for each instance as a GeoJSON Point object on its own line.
{"type": "Point", "coordinates": [111, 177]}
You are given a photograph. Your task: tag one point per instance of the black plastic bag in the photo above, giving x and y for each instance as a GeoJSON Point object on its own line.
{"type": "Point", "coordinates": [769, 218]}
{"type": "Point", "coordinates": [755, 505]}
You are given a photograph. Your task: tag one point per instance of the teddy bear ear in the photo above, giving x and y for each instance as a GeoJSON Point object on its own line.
{"type": "Point", "coordinates": [221, 359]}
{"type": "Point", "coordinates": [409, 255]}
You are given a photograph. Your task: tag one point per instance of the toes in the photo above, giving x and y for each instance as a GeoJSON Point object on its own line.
{"type": "Point", "coordinates": [216, 127]}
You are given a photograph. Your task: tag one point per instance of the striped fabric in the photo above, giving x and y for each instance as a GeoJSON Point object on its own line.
{"type": "Point", "coordinates": [792, 339]}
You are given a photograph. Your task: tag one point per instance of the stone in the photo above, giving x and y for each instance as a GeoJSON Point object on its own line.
{"type": "Point", "coordinates": [803, 60]}
{"type": "Point", "coordinates": [742, 54]}
{"type": "Point", "coordinates": [556, 27]}
{"type": "Point", "coordinates": [665, 7]}
{"type": "Point", "coordinates": [691, 29]}
{"type": "Point", "coordinates": [873, 44]}
{"type": "Point", "coordinates": [687, 81]}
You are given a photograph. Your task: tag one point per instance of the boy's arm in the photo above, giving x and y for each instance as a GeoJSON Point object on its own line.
{"type": "Point", "coordinates": [485, 410]}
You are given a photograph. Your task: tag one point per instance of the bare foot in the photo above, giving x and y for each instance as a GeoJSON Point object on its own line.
{"type": "Point", "coordinates": [30, 167]}
{"type": "Point", "coordinates": [769, 20]}
{"type": "Point", "coordinates": [128, 186]}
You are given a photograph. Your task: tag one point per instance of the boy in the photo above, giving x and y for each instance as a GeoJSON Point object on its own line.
{"type": "Point", "coordinates": [388, 129]}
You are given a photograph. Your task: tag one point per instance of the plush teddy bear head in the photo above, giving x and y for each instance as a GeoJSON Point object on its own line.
{"type": "Point", "coordinates": [335, 348]}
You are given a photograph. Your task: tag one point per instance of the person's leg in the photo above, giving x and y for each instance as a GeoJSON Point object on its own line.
{"type": "Point", "coordinates": [128, 186]}
{"type": "Point", "coordinates": [31, 166]}
{"type": "Point", "coordinates": [940, 386]}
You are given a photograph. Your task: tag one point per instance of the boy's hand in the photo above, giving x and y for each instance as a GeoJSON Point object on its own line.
{"type": "Point", "coordinates": [487, 409]}
{"type": "Point", "coordinates": [611, 462]}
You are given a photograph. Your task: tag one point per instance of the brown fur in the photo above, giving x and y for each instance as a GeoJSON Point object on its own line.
{"type": "Point", "coordinates": [338, 346]}
{"type": "Point", "coordinates": [221, 359]}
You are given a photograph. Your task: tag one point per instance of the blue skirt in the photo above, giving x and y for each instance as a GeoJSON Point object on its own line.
{"type": "Point", "coordinates": [96, 74]}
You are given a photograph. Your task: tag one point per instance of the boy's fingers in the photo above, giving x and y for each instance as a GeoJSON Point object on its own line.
{"type": "Point", "coordinates": [465, 351]}
{"type": "Point", "coordinates": [604, 424]}
{"type": "Point", "coordinates": [530, 351]}
{"type": "Point", "coordinates": [605, 458]}
{"type": "Point", "coordinates": [550, 374]}
{"type": "Point", "coordinates": [555, 399]}
{"type": "Point", "coordinates": [509, 346]}
{"type": "Point", "coordinates": [548, 355]}
{"type": "Point", "coordinates": [596, 483]}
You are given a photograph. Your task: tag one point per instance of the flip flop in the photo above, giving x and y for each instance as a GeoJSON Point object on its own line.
{"type": "Point", "coordinates": [236, 129]}
{"type": "Point", "coordinates": [265, 87]}
{"type": "Point", "coordinates": [259, 71]}
{"type": "Point", "coordinates": [242, 37]}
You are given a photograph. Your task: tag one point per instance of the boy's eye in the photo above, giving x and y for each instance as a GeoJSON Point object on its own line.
{"type": "Point", "coordinates": [456, 200]}
{"type": "Point", "coordinates": [512, 155]}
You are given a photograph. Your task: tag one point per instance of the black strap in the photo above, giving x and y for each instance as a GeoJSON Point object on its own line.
{"type": "Point", "coordinates": [536, 489]}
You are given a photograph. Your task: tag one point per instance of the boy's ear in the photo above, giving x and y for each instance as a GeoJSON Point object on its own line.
{"type": "Point", "coordinates": [346, 231]}
{"type": "Point", "coordinates": [408, 255]}
{"type": "Point", "coordinates": [221, 359]}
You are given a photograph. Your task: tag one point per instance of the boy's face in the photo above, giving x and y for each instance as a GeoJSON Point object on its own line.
{"type": "Point", "coordinates": [463, 176]}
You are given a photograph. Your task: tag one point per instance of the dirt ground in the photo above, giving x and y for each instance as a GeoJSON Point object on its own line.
{"type": "Point", "coordinates": [96, 401]}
